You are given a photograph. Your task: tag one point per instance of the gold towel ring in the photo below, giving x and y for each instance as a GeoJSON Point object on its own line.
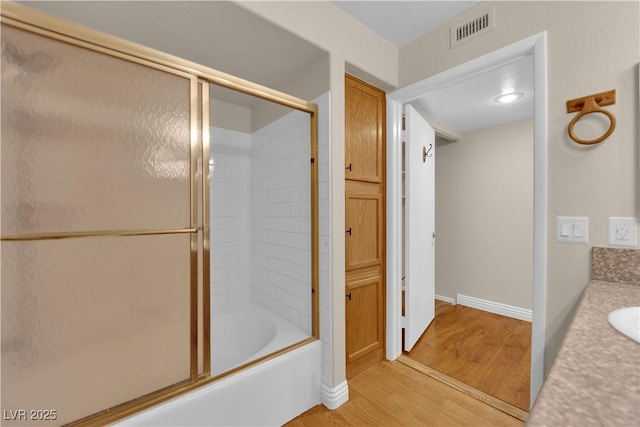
{"type": "Point", "coordinates": [591, 104]}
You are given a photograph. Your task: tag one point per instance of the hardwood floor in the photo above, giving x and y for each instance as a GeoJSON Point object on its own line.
{"type": "Point", "coordinates": [486, 351]}
{"type": "Point", "coordinates": [464, 361]}
{"type": "Point", "coordinates": [501, 405]}
{"type": "Point", "coordinates": [391, 393]}
{"type": "Point", "coordinates": [441, 307]}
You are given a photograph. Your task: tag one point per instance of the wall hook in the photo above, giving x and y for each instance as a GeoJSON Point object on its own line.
{"type": "Point", "coordinates": [426, 152]}
{"type": "Point", "coordinates": [591, 104]}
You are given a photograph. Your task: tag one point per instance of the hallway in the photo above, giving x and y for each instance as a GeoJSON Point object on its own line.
{"type": "Point", "coordinates": [483, 350]}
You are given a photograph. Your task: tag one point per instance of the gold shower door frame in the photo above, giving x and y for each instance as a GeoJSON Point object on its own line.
{"type": "Point", "coordinates": [200, 77]}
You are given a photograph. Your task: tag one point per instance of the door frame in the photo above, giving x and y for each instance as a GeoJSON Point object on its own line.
{"type": "Point", "coordinates": [535, 45]}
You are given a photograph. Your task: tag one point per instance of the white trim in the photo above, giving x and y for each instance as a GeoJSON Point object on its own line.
{"type": "Point", "coordinates": [540, 213]}
{"type": "Point", "coordinates": [495, 307]}
{"type": "Point", "coordinates": [446, 299]}
{"type": "Point", "coordinates": [333, 397]}
{"type": "Point", "coordinates": [394, 230]}
{"type": "Point", "coordinates": [536, 45]}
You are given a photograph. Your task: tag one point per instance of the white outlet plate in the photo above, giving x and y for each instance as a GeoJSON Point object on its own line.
{"type": "Point", "coordinates": [572, 229]}
{"type": "Point", "coordinates": [623, 231]}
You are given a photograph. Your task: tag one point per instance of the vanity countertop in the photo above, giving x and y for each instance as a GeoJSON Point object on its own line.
{"type": "Point", "coordinates": [595, 379]}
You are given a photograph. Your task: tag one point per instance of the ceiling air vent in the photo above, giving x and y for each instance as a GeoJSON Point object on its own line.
{"type": "Point", "coordinates": [472, 29]}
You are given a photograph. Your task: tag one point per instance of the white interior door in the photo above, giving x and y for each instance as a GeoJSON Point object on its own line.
{"type": "Point", "coordinates": [419, 238]}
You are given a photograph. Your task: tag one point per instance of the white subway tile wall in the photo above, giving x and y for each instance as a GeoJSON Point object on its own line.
{"type": "Point", "coordinates": [281, 219]}
{"type": "Point", "coordinates": [261, 241]}
{"type": "Point", "coordinates": [230, 216]}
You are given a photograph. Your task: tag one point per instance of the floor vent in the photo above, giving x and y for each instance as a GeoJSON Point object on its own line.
{"type": "Point", "coordinates": [472, 29]}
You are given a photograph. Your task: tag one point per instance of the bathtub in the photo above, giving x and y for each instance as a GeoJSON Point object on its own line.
{"type": "Point", "coordinates": [241, 333]}
{"type": "Point", "coordinates": [269, 393]}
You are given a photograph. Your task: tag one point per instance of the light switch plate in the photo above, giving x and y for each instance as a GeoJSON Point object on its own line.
{"type": "Point", "coordinates": [623, 231]}
{"type": "Point", "coordinates": [572, 229]}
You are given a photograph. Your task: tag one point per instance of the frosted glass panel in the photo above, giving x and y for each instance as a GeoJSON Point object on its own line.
{"type": "Point", "coordinates": [91, 323]}
{"type": "Point", "coordinates": [90, 141]}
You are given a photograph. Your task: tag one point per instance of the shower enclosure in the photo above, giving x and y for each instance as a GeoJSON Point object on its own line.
{"type": "Point", "coordinates": [154, 212]}
{"type": "Point", "coordinates": [260, 227]}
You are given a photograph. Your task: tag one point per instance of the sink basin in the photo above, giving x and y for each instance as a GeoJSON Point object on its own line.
{"type": "Point", "coordinates": [627, 321]}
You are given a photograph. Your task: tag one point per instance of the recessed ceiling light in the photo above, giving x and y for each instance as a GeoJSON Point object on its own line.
{"type": "Point", "coordinates": [508, 97]}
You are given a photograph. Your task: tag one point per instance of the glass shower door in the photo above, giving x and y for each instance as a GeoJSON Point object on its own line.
{"type": "Point", "coordinates": [105, 221]}
{"type": "Point", "coordinates": [98, 228]}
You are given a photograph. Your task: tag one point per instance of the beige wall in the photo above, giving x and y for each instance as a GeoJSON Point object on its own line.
{"type": "Point", "coordinates": [484, 214]}
{"type": "Point", "coordinates": [333, 30]}
{"type": "Point", "coordinates": [307, 83]}
{"type": "Point", "coordinates": [592, 47]}
{"type": "Point", "coordinates": [230, 116]}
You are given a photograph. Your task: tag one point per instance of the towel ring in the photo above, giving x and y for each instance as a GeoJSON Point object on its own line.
{"type": "Point", "coordinates": [588, 105]}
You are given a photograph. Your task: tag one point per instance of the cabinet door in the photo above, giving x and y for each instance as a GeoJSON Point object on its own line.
{"type": "Point", "coordinates": [365, 224]}
{"type": "Point", "coordinates": [364, 322]}
{"type": "Point", "coordinates": [364, 131]}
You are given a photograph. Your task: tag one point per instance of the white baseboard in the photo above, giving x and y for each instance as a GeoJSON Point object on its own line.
{"type": "Point", "coordinates": [446, 299]}
{"type": "Point", "coordinates": [333, 397]}
{"type": "Point", "coordinates": [495, 307]}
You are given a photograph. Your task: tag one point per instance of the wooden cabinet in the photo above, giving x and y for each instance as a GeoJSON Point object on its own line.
{"type": "Point", "coordinates": [364, 219]}
{"type": "Point", "coordinates": [364, 320]}
{"type": "Point", "coordinates": [365, 224]}
{"type": "Point", "coordinates": [364, 131]}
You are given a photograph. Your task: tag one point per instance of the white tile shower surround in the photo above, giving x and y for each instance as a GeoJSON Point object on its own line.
{"type": "Point", "coordinates": [280, 204]}
{"type": "Point", "coordinates": [260, 225]}
{"type": "Point", "coordinates": [231, 216]}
